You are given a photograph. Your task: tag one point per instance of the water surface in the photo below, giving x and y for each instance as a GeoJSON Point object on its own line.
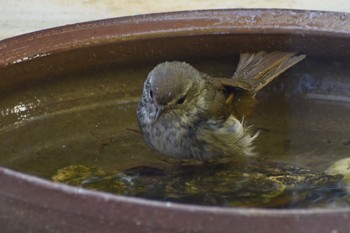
{"type": "Point", "coordinates": [90, 120]}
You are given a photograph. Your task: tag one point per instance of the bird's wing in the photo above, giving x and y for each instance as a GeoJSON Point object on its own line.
{"type": "Point", "coordinates": [256, 70]}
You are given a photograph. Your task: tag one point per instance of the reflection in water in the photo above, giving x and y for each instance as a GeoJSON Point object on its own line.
{"type": "Point", "coordinates": [90, 121]}
{"type": "Point", "coordinates": [18, 110]}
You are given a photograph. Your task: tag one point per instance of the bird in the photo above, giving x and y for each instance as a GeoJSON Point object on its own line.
{"type": "Point", "coordinates": [188, 115]}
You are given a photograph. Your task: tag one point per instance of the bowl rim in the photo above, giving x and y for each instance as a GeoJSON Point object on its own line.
{"type": "Point", "coordinates": [29, 46]}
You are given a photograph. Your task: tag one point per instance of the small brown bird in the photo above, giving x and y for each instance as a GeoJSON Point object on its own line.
{"type": "Point", "coordinates": [186, 114]}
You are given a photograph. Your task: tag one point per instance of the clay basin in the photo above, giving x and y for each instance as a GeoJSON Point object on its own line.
{"type": "Point", "coordinates": [48, 75]}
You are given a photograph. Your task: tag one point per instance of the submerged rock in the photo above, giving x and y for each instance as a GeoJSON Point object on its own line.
{"type": "Point", "coordinates": [244, 184]}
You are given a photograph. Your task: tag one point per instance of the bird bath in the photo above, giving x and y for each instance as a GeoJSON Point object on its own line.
{"type": "Point", "coordinates": [69, 94]}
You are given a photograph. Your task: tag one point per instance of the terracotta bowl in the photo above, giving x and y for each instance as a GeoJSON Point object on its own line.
{"type": "Point", "coordinates": [31, 204]}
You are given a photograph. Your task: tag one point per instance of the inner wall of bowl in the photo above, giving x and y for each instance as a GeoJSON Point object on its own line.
{"type": "Point", "coordinates": [131, 53]}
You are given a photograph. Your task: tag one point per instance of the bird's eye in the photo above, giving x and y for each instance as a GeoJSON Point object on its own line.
{"type": "Point", "coordinates": [151, 94]}
{"type": "Point", "coordinates": [181, 100]}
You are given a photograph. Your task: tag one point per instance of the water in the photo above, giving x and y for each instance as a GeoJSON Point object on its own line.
{"type": "Point", "coordinates": [88, 123]}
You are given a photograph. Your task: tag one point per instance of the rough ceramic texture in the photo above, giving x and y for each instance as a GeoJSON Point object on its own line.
{"type": "Point", "coordinates": [62, 12]}
{"type": "Point", "coordinates": [33, 205]}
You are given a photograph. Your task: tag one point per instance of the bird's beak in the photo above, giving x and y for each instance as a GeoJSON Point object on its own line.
{"type": "Point", "coordinates": [159, 111]}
